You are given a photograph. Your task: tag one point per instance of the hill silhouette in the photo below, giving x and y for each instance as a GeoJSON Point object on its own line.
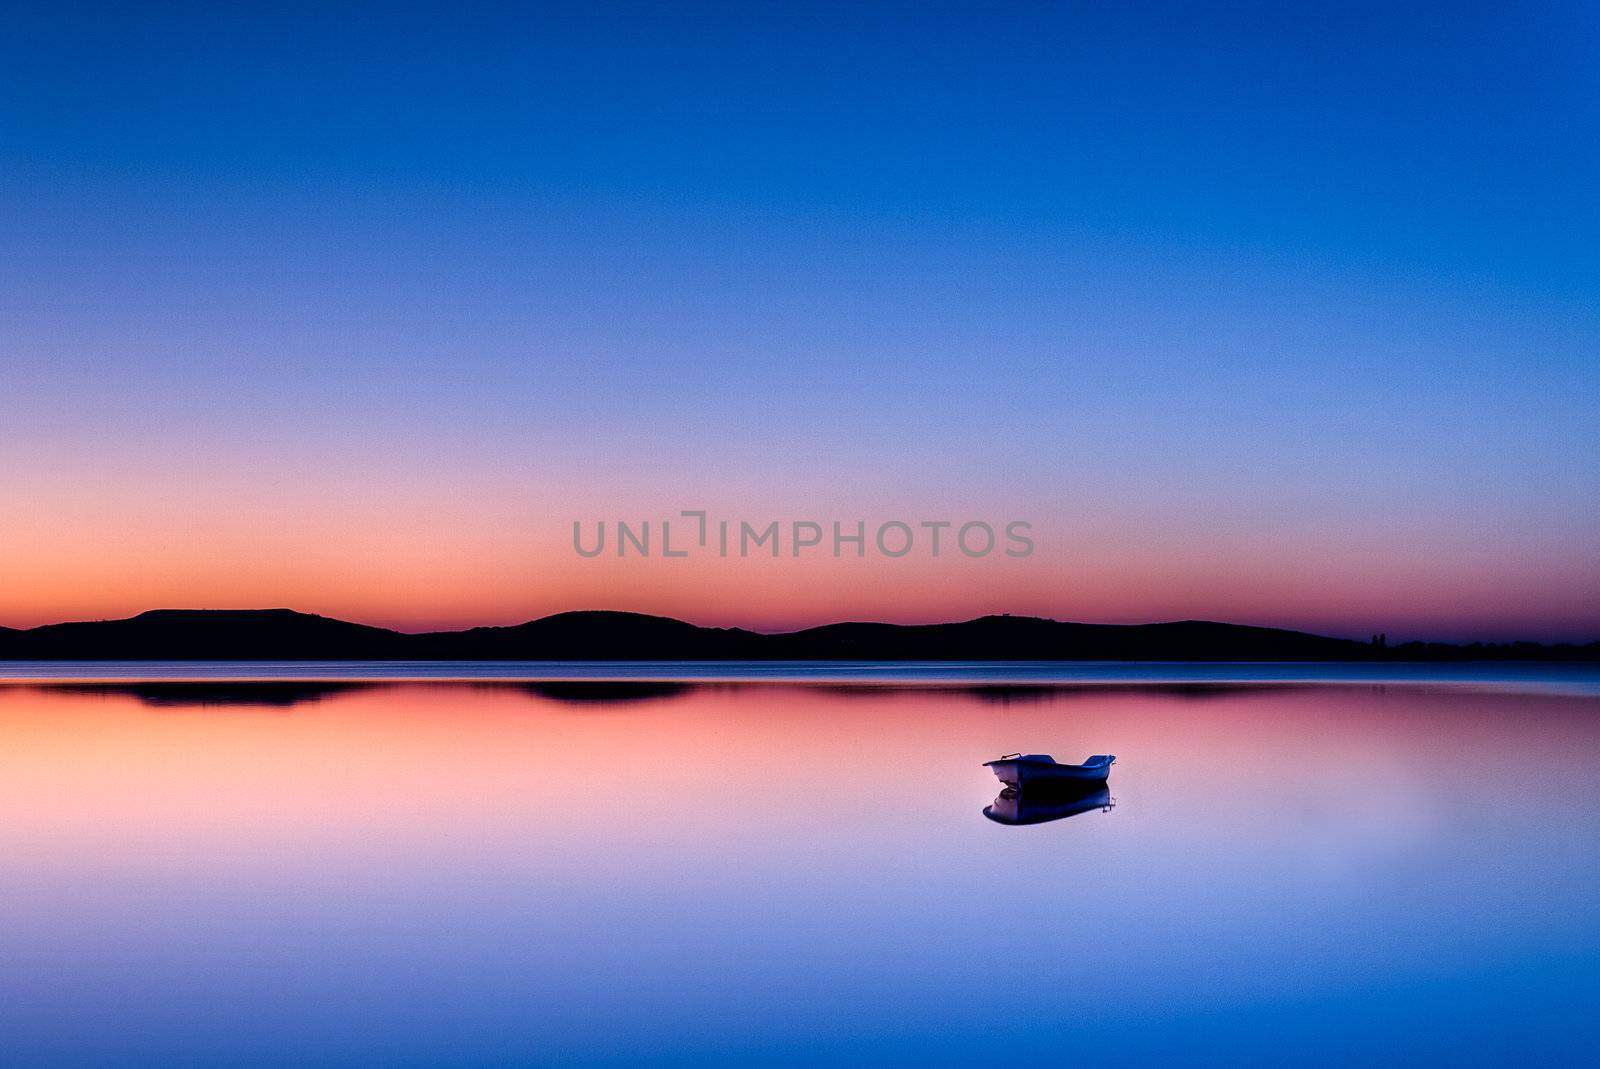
{"type": "Point", "coordinates": [283, 634]}
{"type": "Point", "coordinates": [206, 634]}
{"type": "Point", "coordinates": [580, 636]}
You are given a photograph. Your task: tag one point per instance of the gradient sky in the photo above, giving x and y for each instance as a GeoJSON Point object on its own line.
{"type": "Point", "coordinates": [1277, 316]}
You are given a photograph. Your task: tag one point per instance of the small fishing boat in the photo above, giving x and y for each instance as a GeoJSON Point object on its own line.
{"type": "Point", "coordinates": [1020, 769]}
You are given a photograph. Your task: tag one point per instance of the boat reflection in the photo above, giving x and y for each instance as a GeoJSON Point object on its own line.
{"type": "Point", "coordinates": [1039, 804]}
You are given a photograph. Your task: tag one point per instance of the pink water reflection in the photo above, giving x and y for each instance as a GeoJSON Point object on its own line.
{"type": "Point", "coordinates": [732, 870]}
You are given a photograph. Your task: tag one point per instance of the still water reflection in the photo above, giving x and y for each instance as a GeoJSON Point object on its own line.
{"type": "Point", "coordinates": [471, 873]}
{"type": "Point", "coordinates": [1037, 805]}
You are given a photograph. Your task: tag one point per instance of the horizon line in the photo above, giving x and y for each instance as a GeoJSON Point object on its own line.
{"type": "Point", "coordinates": [812, 627]}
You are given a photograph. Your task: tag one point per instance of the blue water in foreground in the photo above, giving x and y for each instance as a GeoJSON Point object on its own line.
{"type": "Point", "coordinates": [280, 864]}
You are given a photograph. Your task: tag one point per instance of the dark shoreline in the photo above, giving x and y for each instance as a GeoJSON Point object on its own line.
{"type": "Point", "coordinates": [282, 634]}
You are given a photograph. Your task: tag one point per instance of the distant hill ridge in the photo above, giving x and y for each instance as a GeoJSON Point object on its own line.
{"type": "Point", "coordinates": [284, 634]}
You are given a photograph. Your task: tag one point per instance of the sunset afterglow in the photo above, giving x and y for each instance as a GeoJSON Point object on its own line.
{"type": "Point", "coordinates": [1247, 331]}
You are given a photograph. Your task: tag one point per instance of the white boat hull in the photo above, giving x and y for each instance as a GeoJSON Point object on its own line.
{"type": "Point", "coordinates": [1020, 771]}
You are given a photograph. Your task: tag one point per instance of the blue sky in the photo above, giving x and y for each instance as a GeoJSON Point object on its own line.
{"type": "Point", "coordinates": [1245, 263]}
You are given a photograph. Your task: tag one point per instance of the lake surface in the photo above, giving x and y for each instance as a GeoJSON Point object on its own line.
{"type": "Point", "coordinates": [1521, 675]}
{"type": "Point", "coordinates": [673, 871]}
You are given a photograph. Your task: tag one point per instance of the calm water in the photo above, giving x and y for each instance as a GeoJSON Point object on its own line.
{"type": "Point", "coordinates": [1568, 677]}
{"type": "Point", "coordinates": [205, 872]}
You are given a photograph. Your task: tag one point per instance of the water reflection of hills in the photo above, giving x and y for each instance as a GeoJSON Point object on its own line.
{"type": "Point", "coordinates": [286, 694]}
{"type": "Point", "coordinates": [598, 693]}
{"type": "Point", "coordinates": [1040, 805]}
{"type": "Point", "coordinates": [179, 694]}
{"type": "Point", "coordinates": [1024, 693]}
{"type": "Point", "coordinates": [604, 692]}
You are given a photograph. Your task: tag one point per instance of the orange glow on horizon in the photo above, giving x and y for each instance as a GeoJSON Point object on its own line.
{"type": "Point", "coordinates": [402, 557]}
